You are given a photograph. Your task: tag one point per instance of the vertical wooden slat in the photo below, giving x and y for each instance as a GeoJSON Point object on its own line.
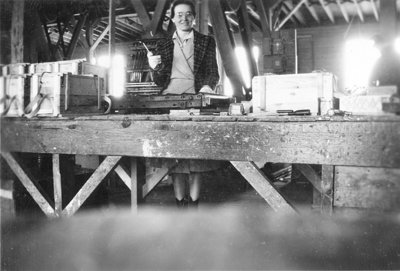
{"type": "Point", "coordinates": [202, 17]}
{"type": "Point", "coordinates": [17, 32]}
{"type": "Point", "coordinates": [263, 186]}
{"type": "Point", "coordinates": [35, 191]}
{"type": "Point", "coordinates": [95, 179]}
{"type": "Point", "coordinates": [111, 44]}
{"type": "Point", "coordinates": [327, 189]}
{"type": "Point", "coordinates": [247, 38]}
{"type": "Point", "coordinates": [57, 184]}
{"type": "Point", "coordinates": [134, 185]}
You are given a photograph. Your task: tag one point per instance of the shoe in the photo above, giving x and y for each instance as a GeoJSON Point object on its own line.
{"type": "Point", "coordinates": [193, 203]}
{"type": "Point", "coordinates": [183, 203]}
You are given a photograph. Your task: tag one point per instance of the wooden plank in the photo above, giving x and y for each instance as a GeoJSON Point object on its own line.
{"type": "Point", "coordinates": [134, 185]}
{"type": "Point", "coordinates": [263, 186]}
{"type": "Point", "coordinates": [29, 183]}
{"type": "Point", "coordinates": [292, 12]}
{"type": "Point", "coordinates": [17, 32]}
{"type": "Point", "coordinates": [364, 187]}
{"type": "Point", "coordinates": [57, 184]}
{"type": "Point", "coordinates": [95, 179]}
{"type": "Point", "coordinates": [334, 141]}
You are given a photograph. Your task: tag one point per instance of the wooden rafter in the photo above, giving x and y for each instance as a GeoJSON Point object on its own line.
{"type": "Point", "coordinates": [299, 16]}
{"type": "Point", "coordinates": [247, 39]}
{"type": "Point", "coordinates": [327, 10]}
{"type": "Point", "coordinates": [294, 10]}
{"type": "Point", "coordinates": [312, 11]}
{"type": "Point", "coordinates": [151, 25]}
{"type": "Point", "coordinates": [126, 24]}
{"type": "Point", "coordinates": [374, 9]}
{"type": "Point", "coordinates": [359, 11]}
{"type": "Point", "coordinates": [263, 18]}
{"type": "Point", "coordinates": [343, 10]}
{"type": "Point", "coordinates": [97, 42]}
{"type": "Point", "coordinates": [75, 35]}
{"type": "Point", "coordinates": [225, 44]}
{"type": "Point", "coordinates": [287, 11]}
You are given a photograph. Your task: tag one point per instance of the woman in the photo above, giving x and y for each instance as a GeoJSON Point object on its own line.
{"type": "Point", "coordinates": [186, 64]}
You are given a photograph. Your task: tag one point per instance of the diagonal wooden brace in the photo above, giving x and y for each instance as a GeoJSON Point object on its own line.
{"type": "Point", "coordinates": [263, 186]}
{"type": "Point", "coordinates": [35, 191]}
{"type": "Point", "coordinates": [98, 175]}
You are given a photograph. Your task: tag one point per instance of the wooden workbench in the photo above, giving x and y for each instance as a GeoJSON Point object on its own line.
{"type": "Point", "coordinates": [247, 141]}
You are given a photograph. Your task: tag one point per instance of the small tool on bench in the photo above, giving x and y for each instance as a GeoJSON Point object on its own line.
{"type": "Point", "coordinates": [301, 112]}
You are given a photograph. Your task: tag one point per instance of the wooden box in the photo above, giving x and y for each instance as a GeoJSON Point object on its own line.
{"type": "Point", "coordinates": [43, 67]}
{"type": "Point", "coordinates": [14, 94]}
{"type": "Point", "coordinates": [66, 93]}
{"type": "Point", "coordinates": [294, 92]}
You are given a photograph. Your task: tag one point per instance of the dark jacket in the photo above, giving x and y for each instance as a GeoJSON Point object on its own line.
{"type": "Point", "coordinates": [205, 62]}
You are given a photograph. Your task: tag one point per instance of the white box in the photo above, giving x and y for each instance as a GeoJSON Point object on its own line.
{"type": "Point", "coordinates": [293, 91]}
{"type": "Point", "coordinates": [14, 91]}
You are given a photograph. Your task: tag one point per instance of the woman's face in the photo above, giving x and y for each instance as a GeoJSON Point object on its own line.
{"type": "Point", "coordinates": [183, 18]}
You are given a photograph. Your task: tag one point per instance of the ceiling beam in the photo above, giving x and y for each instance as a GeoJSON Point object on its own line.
{"type": "Point", "coordinates": [359, 11]}
{"type": "Point", "coordinates": [296, 8]}
{"type": "Point", "coordinates": [343, 10]}
{"type": "Point", "coordinates": [312, 11]}
{"type": "Point", "coordinates": [298, 15]}
{"type": "Point", "coordinates": [265, 29]}
{"type": "Point", "coordinates": [375, 10]}
{"type": "Point", "coordinates": [125, 22]}
{"type": "Point", "coordinates": [328, 10]}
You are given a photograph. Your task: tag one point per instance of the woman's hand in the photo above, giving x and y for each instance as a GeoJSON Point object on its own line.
{"type": "Point", "coordinates": [154, 60]}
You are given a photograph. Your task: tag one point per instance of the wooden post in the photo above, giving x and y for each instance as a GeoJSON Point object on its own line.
{"type": "Point", "coordinates": [327, 189]}
{"type": "Point", "coordinates": [17, 32]}
{"type": "Point", "coordinates": [57, 185]}
{"type": "Point", "coordinates": [75, 35]}
{"type": "Point", "coordinates": [134, 185]}
{"type": "Point", "coordinates": [111, 44]}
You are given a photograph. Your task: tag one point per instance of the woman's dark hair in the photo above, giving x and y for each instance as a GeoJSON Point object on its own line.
{"type": "Point", "coordinates": [182, 2]}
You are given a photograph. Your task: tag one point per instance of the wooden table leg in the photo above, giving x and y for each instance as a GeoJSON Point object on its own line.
{"type": "Point", "coordinates": [57, 185]}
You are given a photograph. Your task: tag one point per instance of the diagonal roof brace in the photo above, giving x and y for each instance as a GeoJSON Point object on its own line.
{"type": "Point", "coordinates": [343, 10]}
{"type": "Point", "coordinates": [327, 10]}
{"type": "Point", "coordinates": [296, 8]}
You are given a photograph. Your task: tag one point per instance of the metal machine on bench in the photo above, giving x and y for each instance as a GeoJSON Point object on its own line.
{"type": "Point", "coordinates": [131, 103]}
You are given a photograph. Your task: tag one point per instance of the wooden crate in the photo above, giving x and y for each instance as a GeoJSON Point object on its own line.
{"type": "Point", "coordinates": [66, 93]}
{"type": "Point", "coordinates": [293, 92]}
{"type": "Point", "coordinates": [14, 94]}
